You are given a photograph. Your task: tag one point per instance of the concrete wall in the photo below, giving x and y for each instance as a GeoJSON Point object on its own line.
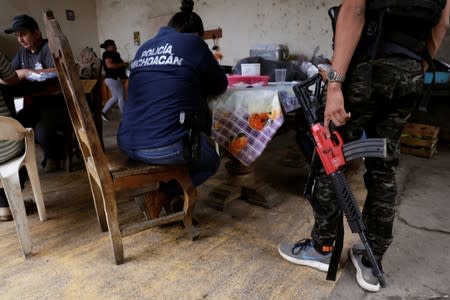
{"type": "Point", "coordinates": [118, 20]}
{"type": "Point", "coordinates": [302, 25]}
{"type": "Point", "coordinates": [81, 32]}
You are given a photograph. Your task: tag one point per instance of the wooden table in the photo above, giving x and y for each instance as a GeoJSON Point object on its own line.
{"type": "Point", "coordinates": [27, 90]}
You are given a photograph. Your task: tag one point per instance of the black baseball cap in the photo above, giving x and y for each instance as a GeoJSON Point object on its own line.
{"type": "Point", "coordinates": [107, 43]}
{"type": "Point", "coordinates": [22, 22]}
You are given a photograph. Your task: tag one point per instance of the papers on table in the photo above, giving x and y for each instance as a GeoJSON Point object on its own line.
{"type": "Point", "coordinates": [33, 76]}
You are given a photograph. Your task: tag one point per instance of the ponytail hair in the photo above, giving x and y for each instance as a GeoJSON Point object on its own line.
{"type": "Point", "coordinates": [187, 6]}
{"type": "Point", "coordinates": [187, 21]}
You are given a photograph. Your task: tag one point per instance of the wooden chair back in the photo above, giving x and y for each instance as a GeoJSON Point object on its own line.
{"type": "Point", "coordinates": [112, 174]}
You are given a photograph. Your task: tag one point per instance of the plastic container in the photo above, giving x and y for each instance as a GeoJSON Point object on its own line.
{"type": "Point", "coordinates": [441, 74]}
{"type": "Point", "coordinates": [270, 51]}
{"type": "Point", "coordinates": [250, 69]}
{"type": "Point", "coordinates": [244, 81]}
{"type": "Point", "coordinates": [439, 77]}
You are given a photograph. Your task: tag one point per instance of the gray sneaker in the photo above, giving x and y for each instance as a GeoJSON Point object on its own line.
{"type": "Point", "coordinates": [364, 275]}
{"type": "Point", "coordinates": [304, 253]}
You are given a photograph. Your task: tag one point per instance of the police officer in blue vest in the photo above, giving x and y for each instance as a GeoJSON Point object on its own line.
{"type": "Point", "coordinates": [166, 118]}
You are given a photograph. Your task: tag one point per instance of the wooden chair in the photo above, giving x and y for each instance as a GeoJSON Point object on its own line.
{"type": "Point", "coordinates": [112, 174]}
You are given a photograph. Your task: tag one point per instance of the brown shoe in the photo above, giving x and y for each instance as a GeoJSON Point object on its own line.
{"type": "Point", "coordinates": [153, 202]}
{"type": "Point", "coordinates": [5, 214]}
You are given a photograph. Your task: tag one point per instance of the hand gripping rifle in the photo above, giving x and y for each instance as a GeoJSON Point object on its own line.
{"type": "Point", "coordinates": [333, 154]}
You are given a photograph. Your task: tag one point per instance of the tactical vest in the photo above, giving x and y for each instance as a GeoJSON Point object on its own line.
{"type": "Point", "coordinates": [407, 23]}
{"type": "Point", "coordinates": [402, 25]}
{"type": "Point", "coordinates": [427, 11]}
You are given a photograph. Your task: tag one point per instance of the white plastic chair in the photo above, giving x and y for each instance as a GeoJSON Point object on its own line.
{"type": "Point", "coordinates": [12, 130]}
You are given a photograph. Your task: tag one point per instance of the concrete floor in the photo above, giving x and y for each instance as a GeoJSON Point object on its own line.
{"type": "Point", "coordinates": [236, 256]}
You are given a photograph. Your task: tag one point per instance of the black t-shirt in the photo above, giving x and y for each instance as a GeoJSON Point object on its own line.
{"type": "Point", "coordinates": [113, 73]}
{"type": "Point", "coordinates": [40, 59]}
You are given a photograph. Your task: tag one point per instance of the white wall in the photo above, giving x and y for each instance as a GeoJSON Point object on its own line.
{"type": "Point", "coordinates": [118, 20]}
{"type": "Point", "coordinates": [302, 25]}
{"type": "Point", "coordinates": [81, 32]}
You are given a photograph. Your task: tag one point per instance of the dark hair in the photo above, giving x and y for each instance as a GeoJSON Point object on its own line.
{"type": "Point", "coordinates": [107, 43]}
{"type": "Point", "coordinates": [187, 21]}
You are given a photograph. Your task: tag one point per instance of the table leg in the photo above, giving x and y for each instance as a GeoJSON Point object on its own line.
{"type": "Point", "coordinates": [241, 183]}
{"type": "Point", "coordinates": [95, 105]}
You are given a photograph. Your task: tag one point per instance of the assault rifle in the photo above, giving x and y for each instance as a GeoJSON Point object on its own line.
{"type": "Point", "coordinates": [333, 154]}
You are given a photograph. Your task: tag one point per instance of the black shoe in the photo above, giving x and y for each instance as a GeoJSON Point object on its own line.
{"type": "Point", "coordinates": [105, 117]}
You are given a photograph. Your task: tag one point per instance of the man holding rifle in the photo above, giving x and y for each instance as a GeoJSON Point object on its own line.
{"type": "Point", "coordinates": [381, 49]}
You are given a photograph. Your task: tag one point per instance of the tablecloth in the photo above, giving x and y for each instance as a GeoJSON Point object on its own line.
{"type": "Point", "coordinates": [245, 120]}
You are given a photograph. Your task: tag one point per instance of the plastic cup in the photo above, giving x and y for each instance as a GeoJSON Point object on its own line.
{"type": "Point", "coordinates": [280, 75]}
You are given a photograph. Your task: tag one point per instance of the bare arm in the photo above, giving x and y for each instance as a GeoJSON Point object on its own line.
{"type": "Point", "coordinates": [23, 73]}
{"type": "Point", "coordinates": [14, 79]}
{"type": "Point", "coordinates": [48, 70]}
{"type": "Point", "coordinates": [438, 32]}
{"type": "Point", "coordinates": [349, 26]}
{"type": "Point", "coordinates": [111, 65]}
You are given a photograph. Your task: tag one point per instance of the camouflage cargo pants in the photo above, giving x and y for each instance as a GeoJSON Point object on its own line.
{"type": "Point", "coordinates": [396, 85]}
